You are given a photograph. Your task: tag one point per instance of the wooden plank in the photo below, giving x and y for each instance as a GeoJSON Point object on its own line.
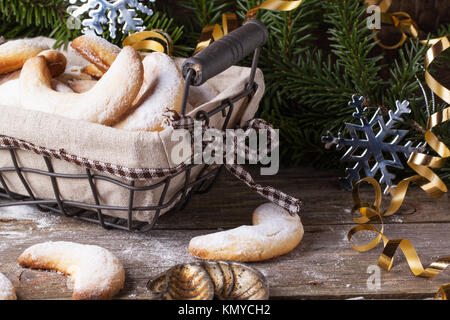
{"type": "Point", "coordinates": [231, 203]}
{"type": "Point", "coordinates": [322, 266]}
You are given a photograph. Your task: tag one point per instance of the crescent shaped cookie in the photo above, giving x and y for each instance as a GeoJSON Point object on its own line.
{"type": "Point", "coordinates": [9, 83]}
{"type": "Point", "coordinates": [105, 103]}
{"type": "Point", "coordinates": [162, 86]}
{"type": "Point", "coordinates": [96, 273]}
{"type": "Point", "coordinates": [274, 232]}
{"type": "Point", "coordinates": [162, 90]}
{"type": "Point", "coordinates": [96, 50]}
{"type": "Point", "coordinates": [7, 291]}
{"type": "Point", "coordinates": [13, 54]}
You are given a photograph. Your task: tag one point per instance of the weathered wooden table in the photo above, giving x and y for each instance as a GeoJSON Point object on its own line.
{"type": "Point", "coordinates": [322, 266]}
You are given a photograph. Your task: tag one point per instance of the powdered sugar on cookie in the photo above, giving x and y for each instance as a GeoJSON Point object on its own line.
{"type": "Point", "coordinates": [17, 47]}
{"type": "Point", "coordinates": [165, 89]}
{"type": "Point", "coordinates": [13, 54]}
{"type": "Point", "coordinates": [96, 50]}
{"type": "Point", "coordinates": [7, 291]}
{"type": "Point", "coordinates": [96, 272]}
{"type": "Point", "coordinates": [274, 232]}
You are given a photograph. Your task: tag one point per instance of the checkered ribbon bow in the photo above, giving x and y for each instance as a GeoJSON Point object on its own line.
{"type": "Point", "coordinates": [291, 204]}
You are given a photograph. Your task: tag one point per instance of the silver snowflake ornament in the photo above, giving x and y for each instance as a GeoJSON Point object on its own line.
{"type": "Point", "coordinates": [373, 151]}
{"type": "Point", "coordinates": [111, 13]}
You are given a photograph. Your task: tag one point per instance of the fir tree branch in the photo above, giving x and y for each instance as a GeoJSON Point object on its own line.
{"type": "Point", "coordinates": [352, 44]}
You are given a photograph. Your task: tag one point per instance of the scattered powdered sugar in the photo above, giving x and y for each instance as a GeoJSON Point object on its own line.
{"type": "Point", "coordinates": [10, 235]}
{"type": "Point", "coordinates": [396, 218]}
{"type": "Point", "coordinates": [151, 249]}
{"type": "Point", "coordinates": [315, 275]}
{"type": "Point", "coordinates": [7, 291]}
{"type": "Point", "coordinates": [42, 219]}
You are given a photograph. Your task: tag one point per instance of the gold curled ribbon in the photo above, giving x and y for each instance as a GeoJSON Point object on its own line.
{"type": "Point", "coordinates": [154, 40]}
{"type": "Point", "coordinates": [419, 162]}
{"type": "Point", "coordinates": [443, 292]}
{"type": "Point", "coordinates": [429, 182]}
{"type": "Point", "coordinates": [215, 32]}
{"type": "Point", "coordinates": [384, 5]}
{"type": "Point", "coordinates": [400, 20]}
{"type": "Point", "coordinates": [371, 212]}
{"type": "Point", "coordinates": [230, 21]}
{"type": "Point", "coordinates": [274, 5]}
{"type": "Point", "coordinates": [438, 46]}
{"type": "Point", "coordinates": [404, 23]}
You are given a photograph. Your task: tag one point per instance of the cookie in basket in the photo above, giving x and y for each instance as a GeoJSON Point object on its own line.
{"type": "Point", "coordinates": [13, 55]}
{"type": "Point", "coordinates": [106, 102]}
{"type": "Point", "coordinates": [162, 87]}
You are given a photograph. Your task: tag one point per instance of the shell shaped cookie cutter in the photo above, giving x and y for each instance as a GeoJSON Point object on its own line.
{"type": "Point", "coordinates": [209, 279]}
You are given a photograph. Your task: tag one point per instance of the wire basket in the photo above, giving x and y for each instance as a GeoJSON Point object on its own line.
{"type": "Point", "coordinates": [195, 178]}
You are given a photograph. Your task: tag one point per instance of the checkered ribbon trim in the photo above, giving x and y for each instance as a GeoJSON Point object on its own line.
{"type": "Point", "coordinates": [136, 174]}
{"type": "Point", "coordinates": [291, 204]}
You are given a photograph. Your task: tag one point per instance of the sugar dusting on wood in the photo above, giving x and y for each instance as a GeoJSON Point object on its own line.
{"type": "Point", "coordinates": [27, 213]}
{"type": "Point", "coordinates": [325, 248]}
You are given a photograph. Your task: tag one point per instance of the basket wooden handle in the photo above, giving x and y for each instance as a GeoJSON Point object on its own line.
{"type": "Point", "coordinates": [226, 51]}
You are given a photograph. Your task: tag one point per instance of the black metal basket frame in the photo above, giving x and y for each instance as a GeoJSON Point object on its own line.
{"type": "Point", "coordinates": [95, 212]}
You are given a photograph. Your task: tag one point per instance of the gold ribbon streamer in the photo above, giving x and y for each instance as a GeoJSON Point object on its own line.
{"type": "Point", "coordinates": [230, 21]}
{"type": "Point", "coordinates": [443, 292]}
{"type": "Point", "coordinates": [427, 179]}
{"type": "Point", "coordinates": [215, 32]}
{"type": "Point", "coordinates": [145, 40]}
{"type": "Point", "coordinates": [419, 162]}
{"type": "Point", "coordinates": [438, 46]}
{"type": "Point", "coordinates": [383, 5]}
{"type": "Point", "coordinates": [372, 212]}
{"type": "Point", "coordinates": [401, 20]}
{"type": "Point", "coordinates": [429, 182]}
{"type": "Point", "coordinates": [274, 5]}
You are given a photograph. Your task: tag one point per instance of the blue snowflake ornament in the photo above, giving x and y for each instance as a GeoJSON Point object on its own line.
{"type": "Point", "coordinates": [111, 13]}
{"type": "Point", "coordinates": [373, 151]}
